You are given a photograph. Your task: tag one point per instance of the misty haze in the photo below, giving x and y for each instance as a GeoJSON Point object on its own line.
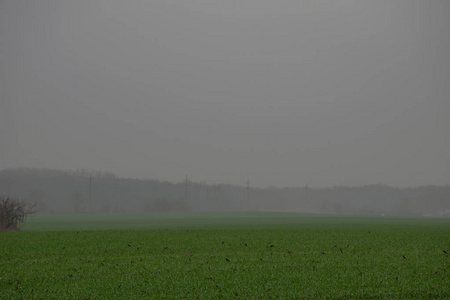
{"type": "Point", "coordinates": [224, 149]}
{"type": "Point", "coordinates": [329, 95]}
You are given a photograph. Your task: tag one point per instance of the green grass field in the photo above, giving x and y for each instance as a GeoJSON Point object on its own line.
{"type": "Point", "coordinates": [253, 255]}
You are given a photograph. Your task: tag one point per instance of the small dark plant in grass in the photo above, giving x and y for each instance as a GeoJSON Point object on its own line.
{"type": "Point", "coordinates": [13, 212]}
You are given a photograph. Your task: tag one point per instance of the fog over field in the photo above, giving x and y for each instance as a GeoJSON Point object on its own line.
{"type": "Point", "coordinates": [283, 93]}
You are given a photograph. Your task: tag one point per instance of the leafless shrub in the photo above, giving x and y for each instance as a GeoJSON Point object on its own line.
{"type": "Point", "coordinates": [13, 212]}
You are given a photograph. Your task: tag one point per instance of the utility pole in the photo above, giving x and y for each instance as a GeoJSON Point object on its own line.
{"type": "Point", "coordinates": [248, 189]}
{"type": "Point", "coordinates": [185, 188]}
{"type": "Point", "coordinates": [9, 184]}
{"type": "Point", "coordinates": [306, 192]}
{"type": "Point", "coordinates": [90, 189]}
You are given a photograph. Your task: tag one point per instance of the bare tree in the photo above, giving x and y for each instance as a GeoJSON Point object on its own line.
{"type": "Point", "coordinates": [13, 212]}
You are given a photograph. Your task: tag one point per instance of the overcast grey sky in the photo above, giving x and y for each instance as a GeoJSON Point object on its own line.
{"type": "Point", "coordinates": [285, 93]}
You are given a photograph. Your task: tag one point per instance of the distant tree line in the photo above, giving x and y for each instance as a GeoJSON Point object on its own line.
{"type": "Point", "coordinates": [57, 191]}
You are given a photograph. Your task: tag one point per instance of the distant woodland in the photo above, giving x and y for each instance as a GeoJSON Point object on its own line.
{"type": "Point", "coordinates": [56, 191]}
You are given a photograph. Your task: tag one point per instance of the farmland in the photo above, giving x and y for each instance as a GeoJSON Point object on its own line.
{"type": "Point", "coordinates": [226, 255]}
